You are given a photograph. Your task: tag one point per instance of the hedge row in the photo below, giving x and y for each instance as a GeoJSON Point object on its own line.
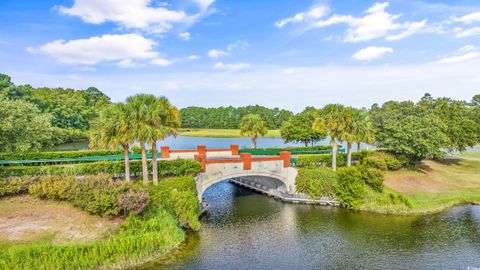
{"type": "Point", "coordinates": [177, 167]}
{"type": "Point", "coordinates": [311, 161]}
{"type": "Point", "coordinates": [57, 154]}
{"type": "Point", "coordinates": [293, 150]}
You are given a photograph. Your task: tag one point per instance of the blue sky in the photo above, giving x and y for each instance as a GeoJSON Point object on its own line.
{"type": "Point", "coordinates": [287, 54]}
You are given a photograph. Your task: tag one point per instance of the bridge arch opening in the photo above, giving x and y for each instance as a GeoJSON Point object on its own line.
{"type": "Point", "coordinates": [258, 182]}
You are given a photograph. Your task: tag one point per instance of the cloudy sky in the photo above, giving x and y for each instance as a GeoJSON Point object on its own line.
{"type": "Point", "coordinates": [277, 53]}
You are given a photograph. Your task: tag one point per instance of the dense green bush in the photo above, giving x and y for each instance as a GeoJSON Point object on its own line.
{"type": "Point", "coordinates": [372, 177]}
{"type": "Point", "coordinates": [96, 194]}
{"type": "Point", "coordinates": [176, 167]}
{"type": "Point", "coordinates": [382, 161]}
{"type": "Point", "coordinates": [316, 160]}
{"type": "Point", "coordinates": [178, 196]}
{"type": "Point", "coordinates": [16, 185]}
{"type": "Point", "coordinates": [57, 154]}
{"type": "Point", "coordinates": [351, 187]}
{"type": "Point", "coordinates": [53, 187]}
{"type": "Point", "coordinates": [316, 182]}
{"type": "Point", "coordinates": [293, 150]}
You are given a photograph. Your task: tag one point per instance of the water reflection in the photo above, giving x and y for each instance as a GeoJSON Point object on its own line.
{"type": "Point", "coordinates": [245, 230]}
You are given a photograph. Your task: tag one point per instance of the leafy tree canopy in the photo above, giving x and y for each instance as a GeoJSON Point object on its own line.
{"type": "Point", "coordinates": [229, 117]}
{"type": "Point", "coordinates": [23, 127]}
{"type": "Point", "coordinates": [299, 128]}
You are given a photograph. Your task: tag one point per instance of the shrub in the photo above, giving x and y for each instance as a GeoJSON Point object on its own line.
{"type": "Point", "coordinates": [53, 188]}
{"type": "Point", "coordinates": [16, 185]}
{"type": "Point", "coordinates": [382, 161]}
{"type": "Point", "coordinates": [57, 154]}
{"type": "Point", "coordinates": [133, 200]}
{"type": "Point", "coordinates": [312, 161]}
{"type": "Point", "coordinates": [96, 194]}
{"type": "Point", "coordinates": [400, 199]}
{"type": "Point", "coordinates": [316, 182]}
{"type": "Point", "coordinates": [178, 196]}
{"type": "Point", "coordinates": [350, 187]}
{"type": "Point", "coordinates": [372, 177]}
{"type": "Point", "coordinates": [176, 167]}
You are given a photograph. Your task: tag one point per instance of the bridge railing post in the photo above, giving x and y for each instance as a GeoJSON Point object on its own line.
{"type": "Point", "coordinates": [234, 148]}
{"type": "Point", "coordinates": [203, 161]}
{"type": "Point", "coordinates": [165, 151]}
{"type": "Point", "coordinates": [202, 149]}
{"type": "Point", "coordinates": [285, 155]}
{"type": "Point", "coordinates": [246, 158]}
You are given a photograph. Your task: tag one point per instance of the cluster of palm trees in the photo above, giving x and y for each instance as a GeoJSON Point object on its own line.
{"type": "Point", "coordinates": [346, 124]}
{"type": "Point", "coordinates": [144, 119]}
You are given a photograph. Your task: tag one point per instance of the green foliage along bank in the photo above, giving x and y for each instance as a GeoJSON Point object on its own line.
{"type": "Point", "coordinates": [167, 208]}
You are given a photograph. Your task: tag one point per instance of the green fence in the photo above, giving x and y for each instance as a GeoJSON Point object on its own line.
{"type": "Point", "coordinates": [293, 152]}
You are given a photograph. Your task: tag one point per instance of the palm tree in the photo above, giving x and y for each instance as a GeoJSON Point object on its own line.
{"type": "Point", "coordinates": [165, 120]}
{"type": "Point", "coordinates": [349, 132]}
{"type": "Point", "coordinates": [253, 126]}
{"type": "Point", "coordinates": [331, 120]}
{"type": "Point", "coordinates": [364, 129]}
{"type": "Point", "coordinates": [112, 129]}
{"type": "Point", "coordinates": [140, 114]}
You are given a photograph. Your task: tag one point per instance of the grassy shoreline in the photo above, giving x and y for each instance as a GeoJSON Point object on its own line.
{"type": "Point", "coordinates": [219, 133]}
{"type": "Point", "coordinates": [437, 186]}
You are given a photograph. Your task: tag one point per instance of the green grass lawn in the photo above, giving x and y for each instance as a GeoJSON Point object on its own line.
{"type": "Point", "coordinates": [436, 186]}
{"type": "Point", "coordinates": [469, 154]}
{"type": "Point", "coordinates": [220, 133]}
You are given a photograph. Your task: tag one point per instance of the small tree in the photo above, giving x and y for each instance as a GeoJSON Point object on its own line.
{"type": "Point", "coordinates": [253, 126]}
{"type": "Point", "coordinates": [299, 129]}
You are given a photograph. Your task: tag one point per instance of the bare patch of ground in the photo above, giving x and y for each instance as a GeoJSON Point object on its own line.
{"type": "Point", "coordinates": [24, 218]}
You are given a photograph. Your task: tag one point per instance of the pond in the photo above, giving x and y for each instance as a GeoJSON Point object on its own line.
{"type": "Point", "coordinates": [184, 142]}
{"type": "Point", "coordinates": [246, 230]}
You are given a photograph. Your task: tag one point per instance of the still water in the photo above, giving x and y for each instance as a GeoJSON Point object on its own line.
{"type": "Point", "coordinates": [184, 142]}
{"type": "Point", "coordinates": [246, 230]}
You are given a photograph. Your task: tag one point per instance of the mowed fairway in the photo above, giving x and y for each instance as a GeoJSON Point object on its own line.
{"type": "Point", "coordinates": [220, 133]}
{"type": "Point", "coordinates": [438, 185]}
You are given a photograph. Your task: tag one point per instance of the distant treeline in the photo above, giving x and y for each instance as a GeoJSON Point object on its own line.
{"type": "Point", "coordinates": [229, 117]}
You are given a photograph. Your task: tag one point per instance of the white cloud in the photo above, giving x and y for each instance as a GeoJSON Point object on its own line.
{"type": "Point", "coordinates": [98, 49]}
{"type": "Point", "coordinates": [204, 4]}
{"type": "Point", "coordinates": [133, 14]}
{"type": "Point", "coordinates": [464, 54]}
{"type": "Point", "coordinates": [232, 67]}
{"type": "Point", "coordinates": [469, 18]}
{"type": "Point", "coordinates": [371, 53]}
{"type": "Point", "coordinates": [126, 63]}
{"type": "Point", "coordinates": [185, 36]}
{"type": "Point", "coordinates": [193, 57]}
{"type": "Point", "coordinates": [315, 12]}
{"type": "Point", "coordinates": [214, 53]}
{"type": "Point", "coordinates": [239, 45]}
{"type": "Point", "coordinates": [461, 33]}
{"type": "Point", "coordinates": [412, 28]}
{"type": "Point", "coordinates": [376, 23]}
{"type": "Point", "coordinates": [289, 71]}
{"type": "Point", "coordinates": [161, 62]}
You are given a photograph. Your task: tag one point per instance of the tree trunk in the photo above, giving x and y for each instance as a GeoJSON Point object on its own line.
{"type": "Point", "coordinates": [306, 143]}
{"type": "Point", "coordinates": [334, 154]}
{"type": "Point", "coordinates": [144, 163]}
{"type": "Point", "coordinates": [127, 163]}
{"type": "Point", "coordinates": [349, 154]}
{"type": "Point", "coordinates": [154, 163]}
{"type": "Point", "coordinates": [358, 146]}
{"type": "Point", "coordinates": [254, 142]}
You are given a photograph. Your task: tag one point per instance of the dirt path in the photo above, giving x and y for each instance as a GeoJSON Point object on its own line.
{"type": "Point", "coordinates": [25, 218]}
